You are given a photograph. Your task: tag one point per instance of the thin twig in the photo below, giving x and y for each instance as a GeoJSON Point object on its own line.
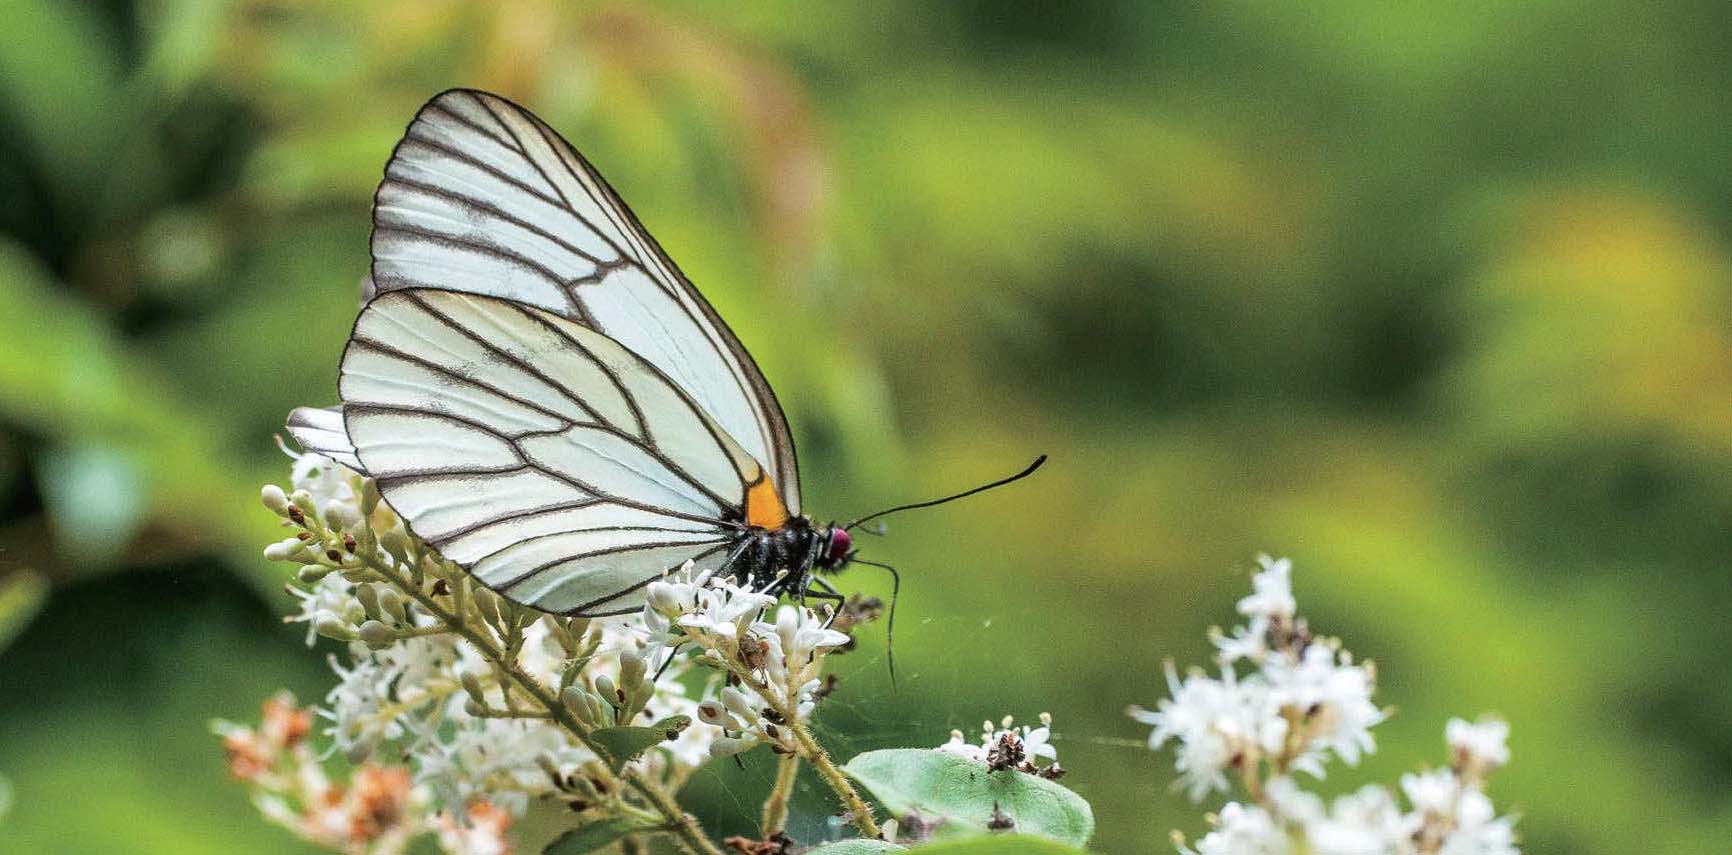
{"type": "Point", "coordinates": [776, 806]}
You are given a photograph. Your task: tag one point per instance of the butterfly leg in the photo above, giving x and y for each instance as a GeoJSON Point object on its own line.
{"type": "Point", "coordinates": [825, 591]}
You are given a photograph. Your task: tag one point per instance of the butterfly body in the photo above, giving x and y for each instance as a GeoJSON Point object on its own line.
{"type": "Point", "coordinates": [786, 558]}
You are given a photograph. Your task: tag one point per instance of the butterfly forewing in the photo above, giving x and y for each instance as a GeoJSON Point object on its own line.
{"type": "Point", "coordinates": [482, 197]}
{"type": "Point", "coordinates": [557, 466]}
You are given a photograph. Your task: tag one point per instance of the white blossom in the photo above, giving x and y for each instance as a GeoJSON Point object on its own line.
{"type": "Point", "coordinates": [1243, 830]}
{"type": "Point", "coordinates": [961, 747]}
{"type": "Point", "coordinates": [1271, 591]}
{"type": "Point", "coordinates": [1431, 793]}
{"type": "Point", "coordinates": [1478, 830]}
{"type": "Point", "coordinates": [1366, 822]}
{"type": "Point", "coordinates": [1333, 696]}
{"type": "Point", "coordinates": [1216, 723]}
{"type": "Point", "coordinates": [1008, 745]}
{"type": "Point", "coordinates": [1485, 741]}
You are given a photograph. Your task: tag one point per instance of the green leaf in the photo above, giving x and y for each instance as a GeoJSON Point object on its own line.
{"type": "Point", "coordinates": [623, 744]}
{"type": "Point", "coordinates": [999, 844]}
{"type": "Point", "coordinates": [961, 794]}
{"type": "Point", "coordinates": [595, 835]}
{"type": "Point", "coordinates": [857, 846]}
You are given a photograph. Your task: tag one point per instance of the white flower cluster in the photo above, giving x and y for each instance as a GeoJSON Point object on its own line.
{"type": "Point", "coordinates": [1447, 813]}
{"type": "Point", "coordinates": [469, 733]}
{"type": "Point", "coordinates": [1304, 700]}
{"type": "Point", "coordinates": [1008, 746]}
{"type": "Point", "coordinates": [1286, 703]}
{"type": "Point", "coordinates": [777, 664]}
{"type": "Point", "coordinates": [373, 809]}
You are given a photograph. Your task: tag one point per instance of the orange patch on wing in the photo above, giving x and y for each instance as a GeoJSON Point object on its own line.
{"type": "Point", "coordinates": [764, 507]}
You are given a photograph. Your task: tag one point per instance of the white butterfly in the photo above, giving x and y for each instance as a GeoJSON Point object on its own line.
{"type": "Point", "coordinates": [538, 390]}
{"type": "Point", "coordinates": [542, 395]}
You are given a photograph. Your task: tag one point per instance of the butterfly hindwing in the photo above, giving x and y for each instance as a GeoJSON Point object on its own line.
{"type": "Point", "coordinates": [320, 430]}
{"type": "Point", "coordinates": [557, 466]}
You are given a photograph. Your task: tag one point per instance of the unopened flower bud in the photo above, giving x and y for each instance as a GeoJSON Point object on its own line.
{"type": "Point", "coordinates": [584, 788]}
{"type": "Point", "coordinates": [376, 635]}
{"type": "Point", "coordinates": [284, 550]}
{"type": "Point", "coordinates": [392, 604]}
{"type": "Point", "coordinates": [367, 594]}
{"type": "Point", "coordinates": [471, 684]}
{"type": "Point", "coordinates": [632, 668]}
{"type": "Point", "coordinates": [737, 703]}
{"type": "Point", "coordinates": [304, 500]}
{"type": "Point", "coordinates": [358, 752]}
{"type": "Point", "coordinates": [488, 604]}
{"type": "Point", "coordinates": [574, 699]}
{"type": "Point", "coordinates": [333, 628]}
{"type": "Point", "coordinates": [710, 712]}
{"type": "Point", "coordinates": [475, 708]}
{"type": "Point", "coordinates": [342, 516]}
{"type": "Point", "coordinates": [728, 746]}
{"type": "Point", "coordinates": [550, 770]}
{"type": "Point", "coordinates": [395, 542]}
{"type": "Point", "coordinates": [600, 712]}
{"type": "Point", "coordinates": [311, 573]}
{"type": "Point", "coordinates": [369, 496]}
{"type": "Point", "coordinates": [275, 499]}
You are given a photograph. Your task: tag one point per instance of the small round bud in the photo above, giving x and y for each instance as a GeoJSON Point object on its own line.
{"type": "Point", "coordinates": [342, 516]}
{"type": "Point", "coordinates": [376, 635]}
{"type": "Point", "coordinates": [728, 746]}
{"type": "Point", "coordinates": [710, 712]}
{"type": "Point", "coordinates": [283, 550]}
{"type": "Point", "coordinates": [311, 573]}
{"type": "Point", "coordinates": [575, 700]}
{"type": "Point", "coordinates": [632, 668]}
{"type": "Point", "coordinates": [737, 703]}
{"type": "Point", "coordinates": [367, 594]}
{"type": "Point", "coordinates": [304, 500]}
{"type": "Point", "coordinates": [391, 603]}
{"type": "Point", "coordinates": [275, 499]}
{"type": "Point", "coordinates": [395, 542]}
{"type": "Point", "coordinates": [369, 496]}
{"type": "Point", "coordinates": [550, 770]}
{"type": "Point", "coordinates": [358, 752]}
{"type": "Point", "coordinates": [471, 684]}
{"type": "Point", "coordinates": [333, 628]}
{"type": "Point", "coordinates": [475, 708]}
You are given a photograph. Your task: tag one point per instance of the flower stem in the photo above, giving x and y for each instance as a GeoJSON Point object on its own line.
{"type": "Point", "coordinates": [820, 760]}
{"type": "Point", "coordinates": [1249, 774]}
{"type": "Point", "coordinates": [776, 806]}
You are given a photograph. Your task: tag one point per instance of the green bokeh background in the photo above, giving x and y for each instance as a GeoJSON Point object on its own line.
{"type": "Point", "coordinates": [1434, 298]}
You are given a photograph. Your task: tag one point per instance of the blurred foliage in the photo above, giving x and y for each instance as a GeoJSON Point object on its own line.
{"type": "Point", "coordinates": [1433, 298]}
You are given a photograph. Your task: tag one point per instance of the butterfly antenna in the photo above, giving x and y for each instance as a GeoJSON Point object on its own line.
{"type": "Point", "coordinates": [890, 626]}
{"type": "Point", "coordinates": [962, 495]}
